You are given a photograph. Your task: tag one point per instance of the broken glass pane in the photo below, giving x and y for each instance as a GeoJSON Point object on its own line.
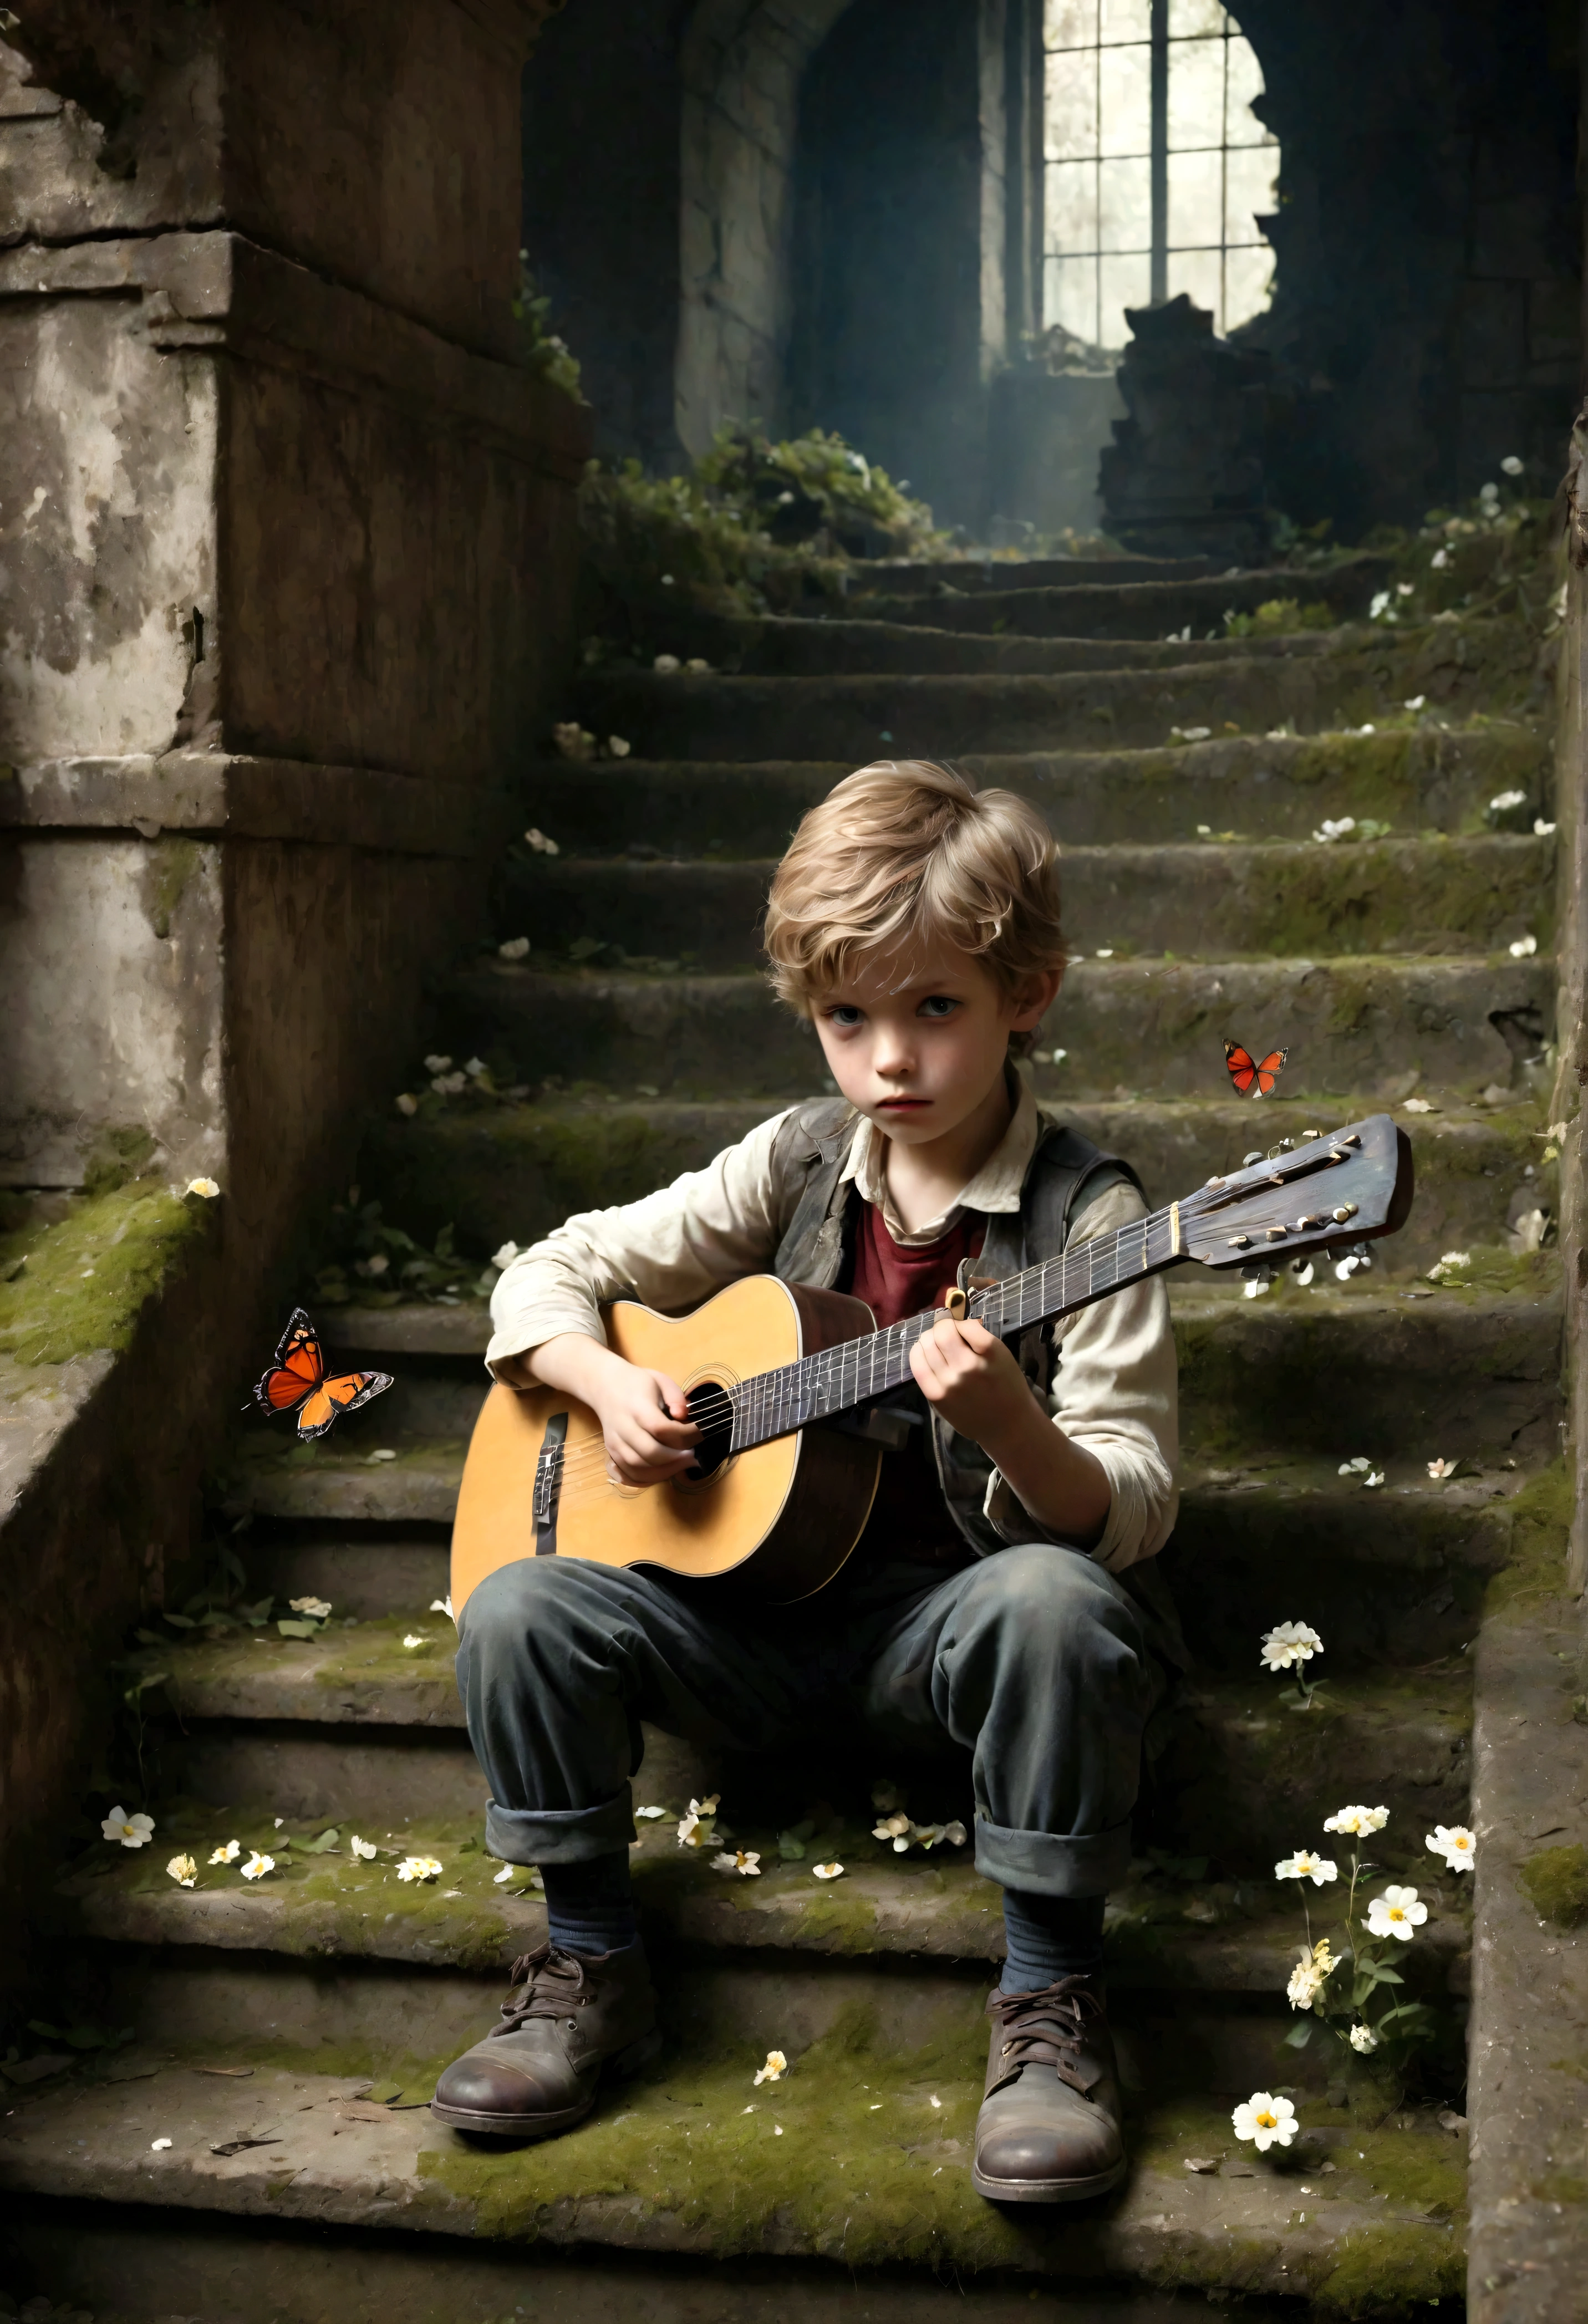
{"type": "Point", "coordinates": [1072, 107]}
{"type": "Point", "coordinates": [1189, 18]}
{"type": "Point", "coordinates": [1249, 278]}
{"type": "Point", "coordinates": [1245, 83]}
{"type": "Point", "coordinates": [1126, 79]}
{"type": "Point", "coordinates": [1253, 190]}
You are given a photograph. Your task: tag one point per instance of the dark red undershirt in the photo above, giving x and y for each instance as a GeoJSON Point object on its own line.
{"type": "Point", "coordinates": [910, 1519]}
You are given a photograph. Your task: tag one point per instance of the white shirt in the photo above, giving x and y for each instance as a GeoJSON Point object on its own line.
{"type": "Point", "coordinates": [1114, 1389]}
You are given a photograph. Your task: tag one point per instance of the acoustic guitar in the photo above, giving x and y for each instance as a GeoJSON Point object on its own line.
{"type": "Point", "coordinates": [788, 1384]}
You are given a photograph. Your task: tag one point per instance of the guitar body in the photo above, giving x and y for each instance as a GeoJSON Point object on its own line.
{"type": "Point", "coordinates": [781, 1517]}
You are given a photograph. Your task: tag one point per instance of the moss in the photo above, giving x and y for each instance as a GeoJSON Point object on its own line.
{"type": "Point", "coordinates": [1390, 2271]}
{"type": "Point", "coordinates": [1541, 1519]}
{"type": "Point", "coordinates": [116, 1156]}
{"type": "Point", "coordinates": [1555, 1881]}
{"type": "Point", "coordinates": [87, 1279]}
{"type": "Point", "coordinates": [1391, 896]}
{"type": "Point", "coordinates": [169, 864]}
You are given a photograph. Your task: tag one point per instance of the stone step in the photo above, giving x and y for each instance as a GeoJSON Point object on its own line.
{"type": "Point", "coordinates": [969, 576]}
{"type": "Point", "coordinates": [1380, 1026]}
{"type": "Point", "coordinates": [1455, 668]}
{"type": "Point", "coordinates": [791, 646]}
{"type": "Point", "coordinates": [1414, 777]}
{"type": "Point", "coordinates": [1141, 608]}
{"type": "Point", "coordinates": [858, 2158]}
{"type": "Point", "coordinates": [504, 1173]}
{"type": "Point", "coordinates": [1169, 1929]}
{"type": "Point", "coordinates": [1418, 895]}
{"type": "Point", "coordinates": [1440, 1374]}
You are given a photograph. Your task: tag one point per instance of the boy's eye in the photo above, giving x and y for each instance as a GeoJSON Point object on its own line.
{"type": "Point", "coordinates": [844, 1014]}
{"type": "Point", "coordinates": [939, 1004]}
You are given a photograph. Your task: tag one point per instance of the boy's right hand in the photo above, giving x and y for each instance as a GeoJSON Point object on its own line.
{"type": "Point", "coordinates": [644, 1415]}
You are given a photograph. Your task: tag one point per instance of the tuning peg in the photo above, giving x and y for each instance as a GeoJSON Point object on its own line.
{"type": "Point", "coordinates": [1284, 1145]}
{"type": "Point", "coordinates": [1347, 1210]}
{"type": "Point", "coordinates": [1248, 1160]}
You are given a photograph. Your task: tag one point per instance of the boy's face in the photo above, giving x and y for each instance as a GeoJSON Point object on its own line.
{"type": "Point", "coordinates": [918, 1048]}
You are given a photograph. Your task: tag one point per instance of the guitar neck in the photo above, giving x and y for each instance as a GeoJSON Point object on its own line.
{"type": "Point", "coordinates": [858, 1371]}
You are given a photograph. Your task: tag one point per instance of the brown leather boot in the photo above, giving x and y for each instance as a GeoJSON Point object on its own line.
{"type": "Point", "coordinates": [1048, 2131]}
{"type": "Point", "coordinates": [536, 2073]}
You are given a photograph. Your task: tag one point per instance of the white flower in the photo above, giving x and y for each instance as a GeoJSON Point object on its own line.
{"type": "Point", "coordinates": [226, 1855]}
{"type": "Point", "coordinates": [1309, 1974]}
{"type": "Point", "coordinates": [1503, 801]}
{"type": "Point", "coordinates": [1342, 829]}
{"type": "Point", "coordinates": [572, 740]}
{"type": "Point", "coordinates": [1542, 830]}
{"type": "Point", "coordinates": [1358, 1822]}
{"type": "Point", "coordinates": [476, 1068]}
{"type": "Point", "coordinates": [538, 839]}
{"type": "Point", "coordinates": [318, 1608]}
{"type": "Point", "coordinates": [1452, 1258]}
{"type": "Point", "coordinates": [1380, 606]}
{"type": "Point", "coordinates": [667, 665]}
{"type": "Point", "coordinates": [1346, 1267]}
{"type": "Point", "coordinates": [1487, 494]}
{"type": "Point", "coordinates": [1396, 1914]}
{"type": "Point", "coordinates": [437, 1065]}
{"type": "Point", "coordinates": [382, 1452]}
{"type": "Point", "coordinates": [516, 948]}
{"type": "Point", "coordinates": [418, 1868]}
{"type": "Point", "coordinates": [132, 1830]}
{"type": "Point", "coordinates": [1439, 1470]}
{"type": "Point", "coordinates": [1305, 1866]}
{"type": "Point", "coordinates": [649, 1815]}
{"type": "Point", "coordinates": [775, 2068]}
{"type": "Point", "coordinates": [205, 1186]}
{"type": "Point", "coordinates": [1189, 733]}
{"type": "Point", "coordinates": [1106, 954]}
{"type": "Point", "coordinates": [744, 1861]}
{"type": "Point", "coordinates": [443, 1606]}
{"type": "Point", "coordinates": [695, 666]}
{"type": "Point", "coordinates": [506, 1875]}
{"type": "Point", "coordinates": [1374, 1477]}
{"type": "Point", "coordinates": [1289, 1644]}
{"type": "Point", "coordinates": [1363, 2039]}
{"type": "Point", "coordinates": [1414, 702]}
{"type": "Point", "coordinates": [504, 1257]}
{"type": "Point", "coordinates": [695, 1828]}
{"type": "Point", "coordinates": [896, 1827]}
{"type": "Point", "coordinates": [1454, 1843]}
{"type": "Point", "coordinates": [183, 1871]}
{"type": "Point", "coordinates": [1361, 1465]}
{"type": "Point", "coordinates": [1418, 1105]}
{"type": "Point", "coordinates": [414, 1638]}
{"type": "Point", "coordinates": [257, 1866]}
{"type": "Point", "coordinates": [158, 2145]}
{"type": "Point", "coordinates": [826, 1871]}
{"type": "Point", "coordinates": [1523, 948]}
{"type": "Point", "coordinates": [1403, 589]}
{"type": "Point", "coordinates": [407, 1104]}
{"type": "Point", "coordinates": [1439, 560]}
{"type": "Point", "coordinates": [1266, 2121]}
{"type": "Point", "coordinates": [1511, 465]}
{"type": "Point", "coordinates": [362, 1849]}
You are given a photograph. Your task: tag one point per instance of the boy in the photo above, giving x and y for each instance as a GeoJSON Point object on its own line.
{"type": "Point", "coordinates": [916, 922]}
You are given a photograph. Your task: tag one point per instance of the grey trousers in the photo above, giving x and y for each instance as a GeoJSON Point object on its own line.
{"type": "Point", "coordinates": [1034, 1661]}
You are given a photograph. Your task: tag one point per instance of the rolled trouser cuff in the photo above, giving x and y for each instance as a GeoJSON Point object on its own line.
{"type": "Point", "coordinates": [1054, 1864]}
{"type": "Point", "coordinates": [560, 1835]}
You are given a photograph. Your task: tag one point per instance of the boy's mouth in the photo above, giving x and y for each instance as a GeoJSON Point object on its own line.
{"type": "Point", "coordinates": [902, 1104]}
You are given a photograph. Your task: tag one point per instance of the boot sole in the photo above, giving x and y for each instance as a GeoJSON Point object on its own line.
{"type": "Point", "coordinates": [523, 2129]}
{"type": "Point", "coordinates": [1048, 2191]}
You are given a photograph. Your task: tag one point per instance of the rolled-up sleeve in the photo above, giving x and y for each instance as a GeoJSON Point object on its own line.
{"type": "Point", "coordinates": [676, 1246]}
{"type": "Point", "coordinates": [1115, 1391]}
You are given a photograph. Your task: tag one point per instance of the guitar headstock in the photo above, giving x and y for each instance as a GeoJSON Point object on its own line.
{"type": "Point", "coordinates": [1351, 1186]}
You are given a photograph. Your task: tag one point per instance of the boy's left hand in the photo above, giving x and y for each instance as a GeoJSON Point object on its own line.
{"type": "Point", "coordinates": [970, 1378]}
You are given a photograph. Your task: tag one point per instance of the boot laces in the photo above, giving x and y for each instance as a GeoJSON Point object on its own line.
{"type": "Point", "coordinates": [1047, 2028]}
{"type": "Point", "coordinates": [554, 1982]}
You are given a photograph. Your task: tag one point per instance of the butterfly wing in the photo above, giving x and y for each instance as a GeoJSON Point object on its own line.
{"type": "Point", "coordinates": [1268, 1072]}
{"type": "Point", "coordinates": [331, 1399]}
{"type": "Point", "coordinates": [1242, 1065]}
{"type": "Point", "coordinates": [298, 1369]}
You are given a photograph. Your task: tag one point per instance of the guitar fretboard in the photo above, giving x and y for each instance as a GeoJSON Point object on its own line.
{"type": "Point", "coordinates": [857, 1371]}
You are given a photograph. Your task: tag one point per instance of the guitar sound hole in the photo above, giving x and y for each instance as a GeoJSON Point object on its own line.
{"type": "Point", "coordinates": [712, 1415]}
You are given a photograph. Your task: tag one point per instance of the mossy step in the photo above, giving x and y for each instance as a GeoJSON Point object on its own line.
{"type": "Point", "coordinates": [1166, 1931]}
{"type": "Point", "coordinates": [1105, 608]}
{"type": "Point", "coordinates": [1456, 668]}
{"type": "Point", "coordinates": [1126, 1027]}
{"type": "Point", "coordinates": [859, 2157]}
{"type": "Point", "coordinates": [1433, 895]}
{"type": "Point", "coordinates": [500, 1172]}
{"type": "Point", "coordinates": [958, 577]}
{"type": "Point", "coordinates": [1417, 774]}
{"type": "Point", "coordinates": [791, 646]}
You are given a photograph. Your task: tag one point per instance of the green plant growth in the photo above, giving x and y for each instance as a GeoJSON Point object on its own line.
{"type": "Point", "coordinates": [544, 352]}
{"type": "Point", "coordinates": [77, 1286]}
{"type": "Point", "coordinates": [1555, 1881]}
{"type": "Point", "coordinates": [1280, 617]}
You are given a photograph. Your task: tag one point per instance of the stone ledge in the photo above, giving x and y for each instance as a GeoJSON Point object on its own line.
{"type": "Point", "coordinates": [246, 797]}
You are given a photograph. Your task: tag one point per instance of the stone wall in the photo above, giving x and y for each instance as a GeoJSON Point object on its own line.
{"type": "Point", "coordinates": [287, 537]}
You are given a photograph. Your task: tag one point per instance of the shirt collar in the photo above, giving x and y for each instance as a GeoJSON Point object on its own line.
{"type": "Point", "coordinates": [997, 1185]}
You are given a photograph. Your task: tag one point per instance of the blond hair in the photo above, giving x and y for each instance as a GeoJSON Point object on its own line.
{"type": "Point", "coordinates": [901, 856]}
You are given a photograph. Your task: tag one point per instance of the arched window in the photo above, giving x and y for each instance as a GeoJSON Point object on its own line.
{"type": "Point", "coordinates": [1155, 167]}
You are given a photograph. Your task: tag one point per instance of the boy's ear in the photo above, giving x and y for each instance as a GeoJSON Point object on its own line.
{"type": "Point", "coordinates": [1034, 998]}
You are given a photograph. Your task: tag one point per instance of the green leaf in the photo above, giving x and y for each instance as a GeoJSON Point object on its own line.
{"type": "Point", "coordinates": [49, 2032]}
{"type": "Point", "coordinates": [181, 1621]}
{"type": "Point", "coordinates": [790, 1846]}
{"type": "Point", "coordinates": [292, 1628]}
{"type": "Point", "coordinates": [327, 1840]}
{"type": "Point", "coordinates": [1299, 2035]}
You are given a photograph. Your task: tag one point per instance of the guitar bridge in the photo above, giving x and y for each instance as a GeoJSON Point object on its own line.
{"type": "Point", "coordinates": [548, 1492]}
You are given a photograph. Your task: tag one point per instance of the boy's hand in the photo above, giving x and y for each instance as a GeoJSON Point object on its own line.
{"type": "Point", "coordinates": [645, 1421]}
{"type": "Point", "coordinates": [970, 1379]}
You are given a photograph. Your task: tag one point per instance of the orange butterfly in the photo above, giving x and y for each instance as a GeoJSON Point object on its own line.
{"type": "Point", "coordinates": [297, 1379]}
{"type": "Point", "coordinates": [1252, 1079]}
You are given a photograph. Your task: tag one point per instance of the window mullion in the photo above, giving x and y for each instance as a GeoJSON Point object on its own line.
{"type": "Point", "coordinates": [1159, 32]}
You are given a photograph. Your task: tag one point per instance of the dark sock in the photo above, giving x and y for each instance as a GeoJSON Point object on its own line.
{"type": "Point", "coordinates": [1050, 1937]}
{"type": "Point", "coordinates": [590, 1907]}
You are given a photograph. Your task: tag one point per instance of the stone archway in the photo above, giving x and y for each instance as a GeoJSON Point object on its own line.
{"type": "Point", "coordinates": [742, 63]}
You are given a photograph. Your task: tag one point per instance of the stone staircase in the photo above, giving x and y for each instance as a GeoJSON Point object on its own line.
{"type": "Point", "coordinates": [286, 2033]}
